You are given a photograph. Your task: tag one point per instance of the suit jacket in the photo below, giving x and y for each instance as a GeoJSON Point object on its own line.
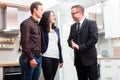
{"type": "Point", "coordinates": [86, 38]}
{"type": "Point", "coordinates": [45, 41]}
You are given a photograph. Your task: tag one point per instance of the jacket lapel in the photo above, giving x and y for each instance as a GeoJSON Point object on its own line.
{"type": "Point", "coordinates": [83, 24]}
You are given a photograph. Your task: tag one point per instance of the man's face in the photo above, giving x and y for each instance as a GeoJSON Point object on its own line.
{"type": "Point", "coordinates": [76, 14]}
{"type": "Point", "coordinates": [39, 11]}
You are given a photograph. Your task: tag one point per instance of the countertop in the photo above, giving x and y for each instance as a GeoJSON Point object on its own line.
{"type": "Point", "coordinates": [13, 59]}
{"type": "Point", "coordinates": [9, 63]}
{"type": "Point", "coordinates": [9, 59]}
{"type": "Point", "coordinates": [108, 58]}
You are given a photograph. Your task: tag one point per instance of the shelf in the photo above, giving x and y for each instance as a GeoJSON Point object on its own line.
{"type": "Point", "coordinates": [6, 42]}
{"type": "Point", "coordinates": [21, 6]}
{"type": "Point", "coordinates": [6, 48]}
{"type": "Point", "coordinates": [9, 32]}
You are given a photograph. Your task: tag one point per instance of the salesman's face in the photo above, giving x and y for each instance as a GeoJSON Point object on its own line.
{"type": "Point", "coordinates": [75, 14]}
{"type": "Point", "coordinates": [39, 11]}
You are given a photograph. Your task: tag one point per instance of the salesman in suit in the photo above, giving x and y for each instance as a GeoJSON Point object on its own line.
{"type": "Point", "coordinates": [82, 38]}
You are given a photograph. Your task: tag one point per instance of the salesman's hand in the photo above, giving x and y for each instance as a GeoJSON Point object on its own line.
{"type": "Point", "coordinates": [74, 45]}
{"type": "Point", "coordinates": [33, 63]}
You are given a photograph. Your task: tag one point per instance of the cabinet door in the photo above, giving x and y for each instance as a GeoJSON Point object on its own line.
{"type": "Point", "coordinates": [1, 73]}
{"type": "Point", "coordinates": [118, 68]}
{"type": "Point", "coordinates": [109, 78]}
{"type": "Point", "coordinates": [108, 70]}
{"type": "Point", "coordinates": [118, 72]}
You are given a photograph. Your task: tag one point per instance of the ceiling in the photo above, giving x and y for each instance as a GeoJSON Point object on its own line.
{"type": "Point", "coordinates": [50, 3]}
{"type": "Point", "coordinates": [85, 3]}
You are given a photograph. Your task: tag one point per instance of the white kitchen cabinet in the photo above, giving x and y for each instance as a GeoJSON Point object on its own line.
{"type": "Point", "coordinates": [1, 73]}
{"type": "Point", "coordinates": [118, 69]}
{"type": "Point", "coordinates": [111, 22]}
{"type": "Point", "coordinates": [110, 69]}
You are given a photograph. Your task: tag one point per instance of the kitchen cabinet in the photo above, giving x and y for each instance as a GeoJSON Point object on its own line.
{"type": "Point", "coordinates": [1, 73]}
{"type": "Point", "coordinates": [118, 69]}
{"type": "Point", "coordinates": [6, 42]}
{"type": "Point", "coordinates": [110, 69]}
{"type": "Point", "coordinates": [7, 39]}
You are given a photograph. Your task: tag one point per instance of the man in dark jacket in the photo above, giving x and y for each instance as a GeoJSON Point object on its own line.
{"type": "Point", "coordinates": [30, 59]}
{"type": "Point", "coordinates": [82, 38]}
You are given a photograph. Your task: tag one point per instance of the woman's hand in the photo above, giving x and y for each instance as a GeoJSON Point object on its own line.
{"type": "Point", "coordinates": [61, 65]}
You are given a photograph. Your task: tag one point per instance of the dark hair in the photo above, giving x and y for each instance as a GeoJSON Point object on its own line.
{"type": "Point", "coordinates": [45, 23]}
{"type": "Point", "coordinates": [79, 7]}
{"type": "Point", "coordinates": [34, 5]}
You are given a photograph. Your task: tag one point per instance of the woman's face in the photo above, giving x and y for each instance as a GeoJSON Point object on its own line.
{"type": "Point", "coordinates": [52, 17]}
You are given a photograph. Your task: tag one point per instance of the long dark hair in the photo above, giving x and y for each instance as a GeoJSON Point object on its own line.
{"type": "Point", "coordinates": [45, 23]}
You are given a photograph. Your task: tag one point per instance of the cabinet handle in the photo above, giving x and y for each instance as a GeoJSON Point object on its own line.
{"type": "Point", "coordinates": [107, 66]}
{"type": "Point", "coordinates": [108, 60]}
{"type": "Point", "coordinates": [109, 78]}
{"type": "Point", "coordinates": [118, 66]}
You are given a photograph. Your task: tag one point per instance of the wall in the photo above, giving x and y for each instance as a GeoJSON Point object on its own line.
{"type": "Point", "coordinates": [22, 15]}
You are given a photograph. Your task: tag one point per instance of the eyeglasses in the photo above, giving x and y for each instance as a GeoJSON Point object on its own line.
{"type": "Point", "coordinates": [75, 12]}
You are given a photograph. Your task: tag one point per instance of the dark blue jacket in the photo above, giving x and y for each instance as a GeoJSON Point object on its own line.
{"type": "Point", "coordinates": [45, 41]}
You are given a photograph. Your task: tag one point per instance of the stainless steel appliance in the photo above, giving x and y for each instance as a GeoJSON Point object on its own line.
{"type": "Point", "coordinates": [12, 73]}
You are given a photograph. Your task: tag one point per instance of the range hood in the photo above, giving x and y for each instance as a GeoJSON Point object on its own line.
{"type": "Point", "coordinates": [11, 18]}
{"type": "Point", "coordinates": [10, 21]}
{"type": "Point", "coordinates": [9, 31]}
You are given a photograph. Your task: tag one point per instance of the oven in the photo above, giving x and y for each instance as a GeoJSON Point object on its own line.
{"type": "Point", "coordinates": [11, 73]}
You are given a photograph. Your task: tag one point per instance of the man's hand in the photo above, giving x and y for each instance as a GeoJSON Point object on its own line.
{"type": "Point", "coordinates": [33, 63]}
{"type": "Point", "coordinates": [74, 45]}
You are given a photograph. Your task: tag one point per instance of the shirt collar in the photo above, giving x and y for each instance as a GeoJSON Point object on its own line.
{"type": "Point", "coordinates": [35, 21]}
{"type": "Point", "coordinates": [81, 21]}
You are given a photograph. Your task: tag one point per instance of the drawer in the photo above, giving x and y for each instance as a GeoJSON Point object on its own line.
{"type": "Point", "coordinates": [108, 70]}
{"type": "Point", "coordinates": [108, 61]}
{"type": "Point", "coordinates": [117, 62]}
{"type": "Point", "coordinates": [108, 78]}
